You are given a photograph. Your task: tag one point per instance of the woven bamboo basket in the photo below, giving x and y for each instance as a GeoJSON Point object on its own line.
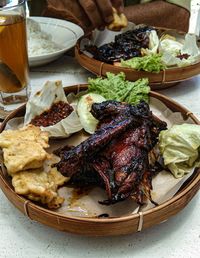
{"type": "Point", "coordinates": [104, 226]}
{"type": "Point", "coordinates": [158, 81]}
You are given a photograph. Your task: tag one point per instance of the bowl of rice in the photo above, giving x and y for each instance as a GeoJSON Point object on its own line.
{"type": "Point", "coordinates": [49, 38]}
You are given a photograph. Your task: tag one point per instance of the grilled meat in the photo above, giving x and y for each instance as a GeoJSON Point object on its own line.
{"type": "Point", "coordinates": [73, 160]}
{"type": "Point", "coordinates": [116, 155]}
{"type": "Point", "coordinates": [125, 46]}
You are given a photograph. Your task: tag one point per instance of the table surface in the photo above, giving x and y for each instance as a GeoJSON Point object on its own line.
{"type": "Point", "coordinates": [177, 237]}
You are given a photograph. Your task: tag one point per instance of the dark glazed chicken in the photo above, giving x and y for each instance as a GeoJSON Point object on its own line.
{"type": "Point", "coordinates": [116, 156]}
{"type": "Point", "coordinates": [125, 46]}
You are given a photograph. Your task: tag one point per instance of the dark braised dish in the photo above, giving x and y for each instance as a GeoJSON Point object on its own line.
{"type": "Point", "coordinates": [125, 46]}
{"type": "Point", "coordinates": [55, 114]}
{"type": "Point", "coordinates": [116, 156]}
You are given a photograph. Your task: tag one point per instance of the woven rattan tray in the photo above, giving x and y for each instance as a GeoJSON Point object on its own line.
{"type": "Point", "coordinates": [104, 226]}
{"type": "Point", "coordinates": [158, 81]}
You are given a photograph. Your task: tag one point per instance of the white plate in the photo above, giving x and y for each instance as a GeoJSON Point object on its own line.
{"type": "Point", "coordinates": [63, 33]}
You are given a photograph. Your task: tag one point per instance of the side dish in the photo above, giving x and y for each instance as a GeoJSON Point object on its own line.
{"type": "Point", "coordinates": [29, 165]}
{"type": "Point", "coordinates": [24, 148]}
{"type": "Point", "coordinates": [180, 148]}
{"type": "Point", "coordinates": [50, 109]}
{"type": "Point", "coordinates": [85, 102]}
{"type": "Point", "coordinates": [116, 87]}
{"type": "Point", "coordinates": [55, 114]}
{"type": "Point", "coordinates": [40, 186]}
{"type": "Point", "coordinates": [39, 42]}
{"type": "Point", "coordinates": [148, 49]}
{"type": "Point", "coordinates": [119, 21]}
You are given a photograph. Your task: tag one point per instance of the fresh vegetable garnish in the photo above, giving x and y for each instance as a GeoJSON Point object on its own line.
{"type": "Point", "coordinates": [180, 147]}
{"type": "Point", "coordinates": [190, 45]}
{"type": "Point", "coordinates": [142, 48]}
{"type": "Point", "coordinates": [153, 44]}
{"type": "Point", "coordinates": [150, 63]}
{"type": "Point", "coordinates": [170, 45]}
{"type": "Point", "coordinates": [115, 87]}
{"type": "Point", "coordinates": [87, 120]}
{"type": "Point", "coordinates": [175, 53]}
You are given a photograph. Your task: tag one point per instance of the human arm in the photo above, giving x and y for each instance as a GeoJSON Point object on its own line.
{"type": "Point", "coordinates": [89, 14]}
{"type": "Point", "coordinates": [159, 13]}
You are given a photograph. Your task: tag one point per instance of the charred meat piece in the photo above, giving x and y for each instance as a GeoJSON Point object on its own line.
{"type": "Point", "coordinates": [108, 111]}
{"type": "Point", "coordinates": [125, 46]}
{"type": "Point", "coordinates": [142, 192]}
{"type": "Point", "coordinates": [116, 155]}
{"type": "Point", "coordinates": [62, 150]}
{"type": "Point", "coordinates": [139, 37]}
{"type": "Point", "coordinates": [112, 52]}
{"type": "Point", "coordinates": [128, 157]}
{"type": "Point", "coordinates": [74, 160]}
{"type": "Point", "coordinates": [112, 108]}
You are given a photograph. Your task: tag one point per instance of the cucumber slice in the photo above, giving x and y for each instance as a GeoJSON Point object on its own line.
{"type": "Point", "coordinates": [87, 120]}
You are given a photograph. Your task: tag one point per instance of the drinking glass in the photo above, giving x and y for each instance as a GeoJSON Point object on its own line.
{"type": "Point", "coordinates": [14, 82]}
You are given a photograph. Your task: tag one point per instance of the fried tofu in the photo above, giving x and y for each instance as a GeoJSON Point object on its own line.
{"type": "Point", "coordinates": [23, 155]}
{"type": "Point", "coordinates": [29, 164]}
{"type": "Point", "coordinates": [29, 133]}
{"type": "Point", "coordinates": [24, 148]}
{"type": "Point", "coordinates": [119, 21]}
{"type": "Point", "coordinates": [40, 186]}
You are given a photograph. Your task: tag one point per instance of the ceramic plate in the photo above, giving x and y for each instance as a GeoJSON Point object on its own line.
{"type": "Point", "coordinates": [65, 34]}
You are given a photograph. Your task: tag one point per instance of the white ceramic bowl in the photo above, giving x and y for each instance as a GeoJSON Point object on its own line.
{"type": "Point", "coordinates": [63, 33]}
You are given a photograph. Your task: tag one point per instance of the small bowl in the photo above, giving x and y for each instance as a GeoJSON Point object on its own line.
{"type": "Point", "coordinates": [65, 34]}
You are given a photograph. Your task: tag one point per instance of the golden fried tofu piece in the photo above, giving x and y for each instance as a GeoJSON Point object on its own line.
{"type": "Point", "coordinates": [27, 133]}
{"type": "Point", "coordinates": [119, 21]}
{"type": "Point", "coordinates": [24, 148]}
{"type": "Point", "coordinates": [23, 155]}
{"type": "Point", "coordinates": [40, 186]}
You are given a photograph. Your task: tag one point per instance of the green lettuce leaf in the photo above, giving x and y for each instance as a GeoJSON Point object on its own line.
{"type": "Point", "coordinates": [115, 87]}
{"type": "Point", "coordinates": [150, 63]}
{"type": "Point", "coordinates": [180, 147]}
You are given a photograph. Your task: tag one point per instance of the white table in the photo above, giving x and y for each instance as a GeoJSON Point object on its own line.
{"type": "Point", "coordinates": [178, 237]}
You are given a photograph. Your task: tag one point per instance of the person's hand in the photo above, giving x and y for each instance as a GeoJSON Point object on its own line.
{"type": "Point", "coordinates": [89, 14]}
{"type": "Point", "coordinates": [100, 12]}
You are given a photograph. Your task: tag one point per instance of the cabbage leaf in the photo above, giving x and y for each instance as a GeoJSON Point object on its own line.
{"type": "Point", "coordinates": [180, 148]}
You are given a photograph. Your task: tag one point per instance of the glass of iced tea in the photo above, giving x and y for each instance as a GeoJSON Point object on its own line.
{"type": "Point", "coordinates": [13, 55]}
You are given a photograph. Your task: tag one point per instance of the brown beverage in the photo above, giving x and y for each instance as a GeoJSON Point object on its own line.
{"type": "Point", "coordinates": [13, 54]}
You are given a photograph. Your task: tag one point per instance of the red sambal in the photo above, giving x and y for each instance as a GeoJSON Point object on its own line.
{"type": "Point", "coordinates": [55, 114]}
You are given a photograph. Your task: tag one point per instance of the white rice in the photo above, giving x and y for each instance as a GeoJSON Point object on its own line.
{"type": "Point", "coordinates": [39, 42]}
